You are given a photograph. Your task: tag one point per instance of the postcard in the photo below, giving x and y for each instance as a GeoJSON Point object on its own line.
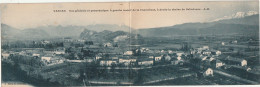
{"type": "Point", "coordinates": [171, 43]}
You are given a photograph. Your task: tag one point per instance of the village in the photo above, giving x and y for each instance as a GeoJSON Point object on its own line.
{"type": "Point", "coordinates": [69, 61]}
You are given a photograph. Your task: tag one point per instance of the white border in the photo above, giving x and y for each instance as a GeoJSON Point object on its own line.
{"type": "Point", "coordinates": [53, 1]}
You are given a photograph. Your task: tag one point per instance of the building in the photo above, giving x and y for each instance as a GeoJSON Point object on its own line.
{"type": "Point", "coordinates": [108, 62]}
{"type": "Point", "coordinates": [170, 52]}
{"type": "Point", "coordinates": [107, 44]}
{"type": "Point", "coordinates": [207, 52]}
{"type": "Point", "coordinates": [145, 62]}
{"type": "Point", "coordinates": [36, 55]}
{"type": "Point", "coordinates": [178, 58]}
{"type": "Point", "coordinates": [5, 55]}
{"type": "Point", "coordinates": [59, 52]}
{"type": "Point", "coordinates": [89, 60]}
{"type": "Point", "coordinates": [158, 57]}
{"type": "Point", "coordinates": [177, 61]}
{"type": "Point", "coordinates": [216, 63]}
{"type": "Point", "coordinates": [216, 52]}
{"type": "Point", "coordinates": [98, 56]}
{"type": "Point", "coordinates": [205, 47]}
{"type": "Point", "coordinates": [179, 53]}
{"type": "Point", "coordinates": [223, 43]}
{"type": "Point", "coordinates": [46, 60]}
{"type": "Point", "coordinates": [235, 61]}
{"type": "Point", "coordinates": [208, 72]}
{"type": "Point", "coordinates": [128, 53]}
{"type": "Point", "coordinates": [127, 61]}
{"type": "Point", "coordinates": [124, 60]}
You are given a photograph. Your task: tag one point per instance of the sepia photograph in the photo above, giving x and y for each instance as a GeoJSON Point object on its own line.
{"type": "Point", "coordinates": [170, 43]}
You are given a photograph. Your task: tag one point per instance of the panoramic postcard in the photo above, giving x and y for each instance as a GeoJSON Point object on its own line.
{"type": "Point", "coordinates": [130, 43]}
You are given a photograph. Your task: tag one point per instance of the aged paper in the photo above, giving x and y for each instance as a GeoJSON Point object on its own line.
{"type": "Point", "coordinates": [130, 43]}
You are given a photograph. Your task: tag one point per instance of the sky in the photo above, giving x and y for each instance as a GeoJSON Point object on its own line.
{"type": "Point", "coordinates": [23, 16]}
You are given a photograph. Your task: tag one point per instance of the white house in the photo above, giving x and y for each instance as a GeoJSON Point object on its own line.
{"type": "Point", "coordinates": [219, 64]}
{"type": "Point", "coordinates": [178, 58]}
{"type": "Point", "coordinates": [243, 63]}
{"type": "Point", "coordinates": [235, 41]}
{"type": "Point", "coordinates": [5, 55]}
{"type": "Point", "coordinates": [128, 53]}
{"type": "Point", "coordinates": [145, 62]}
{"type": "Point", "coordinates": [206, 52]}
{"type": "Point", "coordinates": [98, 56]}
{"type": "Point", "coordinates": [107, 44]}
{"type": "Point", "coordinates": [235, 61]}
{"type": "Point", "coordinates": [48, 59]}
{"type": "Point", "coordinates": [121, 60]}
{"type": "Point", "coordinates": [89, 60]}
{"type": "Point", "coordinates": [59, 52]}
{"type": "Point", "coordinates": [179, 53]}
{"type": "Point", "coordinates": [205, 47]}
{"type": "Point", "coordinates": [170, 51]}
{"type": "Point", "coordinates": [208, 72]}
{"type": "Point", "coordinates": [223, 43]}
{"type": "Point", "coordinates": [218, 53]}
{"type": "Point", "coordinates": [126, 62]}
{"type": "Point", "coordinates": [107, 62]}
{"type": "Point", "coordinates": [36, 55]}
{"type": "Point", "coordinates": [158, 57]}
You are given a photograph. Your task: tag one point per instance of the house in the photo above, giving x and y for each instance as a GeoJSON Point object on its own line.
{"type": "Point", "coordinates": [223, 43]}
{"type": "Point", "coordinates": [235, 41]}
{"type": "Point", "coordinates": [177, 62]}
{"type": "Point", "coordinates": [89, 60]}
{"type": "Point", "coordinates": [107, 44]}
{"type": "Point", "coordinates": [235, 61]}
{"type": "Point", "coordinates": [128, 53]}
{"type": "Point", "coordinates": [178, 58]}
{"type": "Point", "coordinates": [207, 52]}
{"type": "Point", "coordinates": [98, 56]}
{"type": "Point", "coordinates": [35, 55]}
{"type": "Point", "coordinates": [76, 61]}
{"type": "Point", "coordinates": [170, 51]}
{"type": "Point", "coordinates": [112, 56]}
{"type": "Point", "coordinates": [208, 72]}
{"type": "Point", "coordinates": [46, 60]}
{"type": "Point", "coordinates": [145, 62]}
{"type": "Point", "coordinates": [205, 47]}
{"type": "Point", "coordinates": [55, 60]}
{"type": "Point", "coordinates": [108, 62]}
{"type": "Point", "coordinates": [216, 52]}
{"type": "Point", "coordinates": [207, 58]}
{"type": "Point", "coordinates": [59, 52]}
{"type": "Point", "coordinates": [179, 53]}
{"type": "Point", "coordinates": [123, 60]}
{"type": "Point", "coordinates": [151, 57]}
{"type": "Point", "coordinates": [5, 55]}
{"type": "Point", "coordinates": [127, 61]}
{"type": "Point", "coordinates": [158, 57]}
{"type": "Point", "coordinates": [193, 52]}
{"type": "Point", "coordinates": [216, 63]}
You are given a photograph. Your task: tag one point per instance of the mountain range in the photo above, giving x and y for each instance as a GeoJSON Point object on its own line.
{"type": "Point", "coordinates": [41, 32]}
{"type": "Point", "coordinates": [245, 25]}
{"type": "Point", "coordinates": [238, 23]}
